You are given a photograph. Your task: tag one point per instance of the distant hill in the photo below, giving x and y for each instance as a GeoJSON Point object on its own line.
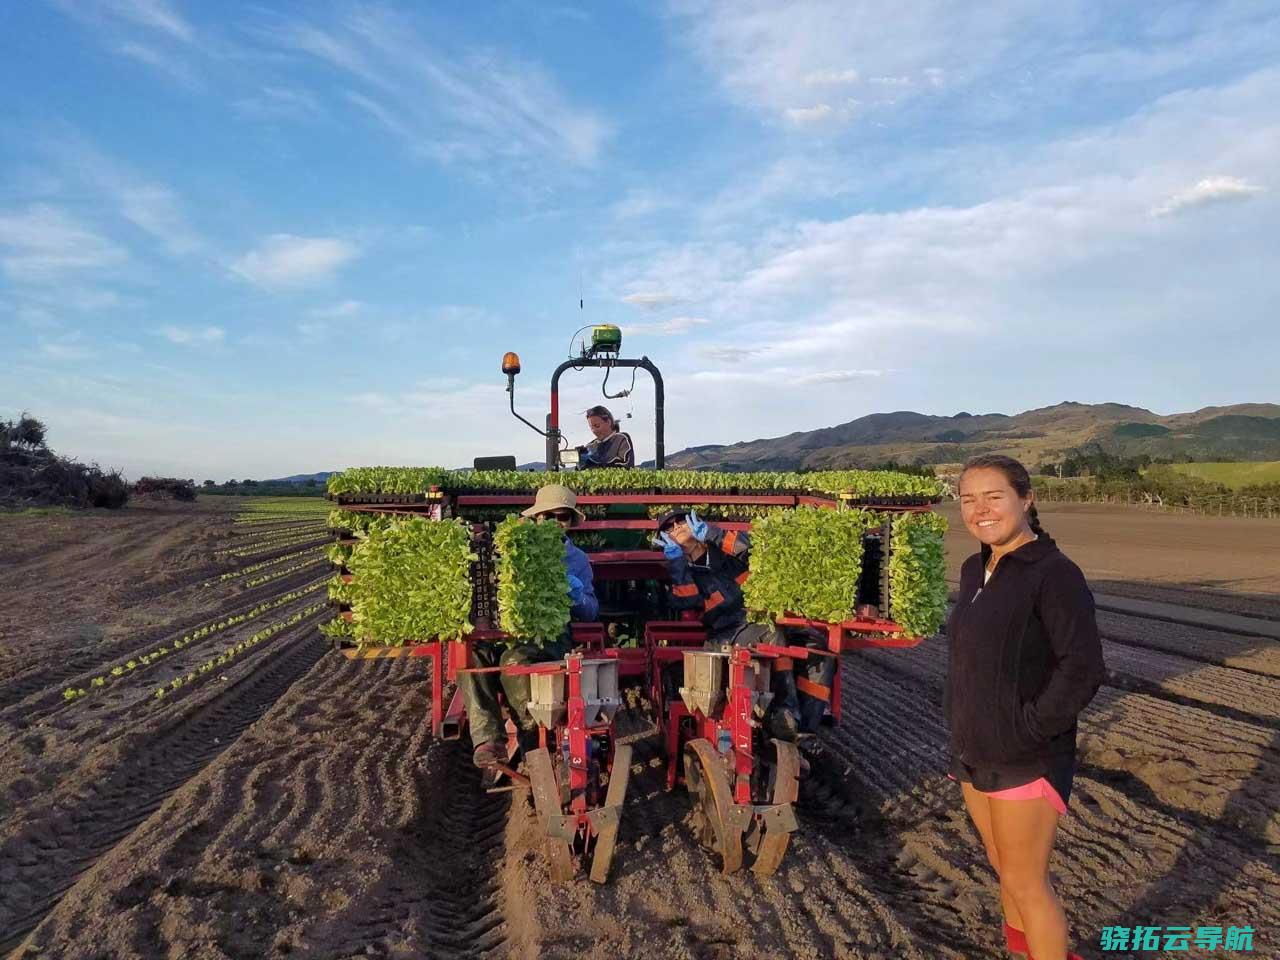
{"type": "Point", "coordinates": [304, 477]}
{"type": "Point", "coordinates": [1241, 432]}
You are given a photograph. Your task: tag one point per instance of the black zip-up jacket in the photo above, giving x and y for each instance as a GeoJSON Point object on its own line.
{"type": "Point", "coordinates": [1025, 658]}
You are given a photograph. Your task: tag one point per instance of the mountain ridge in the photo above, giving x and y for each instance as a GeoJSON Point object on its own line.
{"type": "Point", "coordinates": [1247, 431]}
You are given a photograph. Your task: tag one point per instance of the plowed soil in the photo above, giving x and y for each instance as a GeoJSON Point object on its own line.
{"type": "Point", "coordinates": [293, 804]}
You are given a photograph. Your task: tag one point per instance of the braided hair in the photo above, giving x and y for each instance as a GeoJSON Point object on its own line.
{"type": "Point", "coordinates": [1017, 476]}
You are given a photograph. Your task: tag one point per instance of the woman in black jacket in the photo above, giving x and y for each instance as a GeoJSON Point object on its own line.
{"type": "Point", "coordinates": [1025, 660]}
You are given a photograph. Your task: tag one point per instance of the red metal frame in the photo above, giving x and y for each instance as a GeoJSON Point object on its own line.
{"type": "Point", "coordinates": [856, 634]}
{"type": "Point", "coordinates": [596, 499]}
{"type": "Point", "coordinates": [665, 643]}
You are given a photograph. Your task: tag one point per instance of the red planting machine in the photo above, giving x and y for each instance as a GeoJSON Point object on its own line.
{"type": "Point", "coordinates": [743, 784]}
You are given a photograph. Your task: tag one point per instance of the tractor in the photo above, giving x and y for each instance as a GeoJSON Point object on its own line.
{"type": "Point", "coordinates": [708, 706]}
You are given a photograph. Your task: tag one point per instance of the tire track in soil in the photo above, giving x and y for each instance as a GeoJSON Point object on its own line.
{"type": "Point", "coordinates": [54, 851]}
{"type": "Point", "coordinates": [17, 693]}
{"type": "Point", "coordinates": [329, 830]}
{"type": "Point", "coordinates": [1257, 655]}
{"type": "Point", "coordinates": [1213, 762]}
{"type": "Point", "coordinates": [464, 837]}
{"type": "Point", "coordinates": [1114, 844]}
{"type": "Point", "coordinates": [1223, 691]}
{"type": "Point", "coordinates": [1262, 606]}
{"type": "Point", "coordinates": [667, 898]}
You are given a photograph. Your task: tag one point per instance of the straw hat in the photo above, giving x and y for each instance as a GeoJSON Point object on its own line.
{"type": "Point", "coordinates": [552, 497]}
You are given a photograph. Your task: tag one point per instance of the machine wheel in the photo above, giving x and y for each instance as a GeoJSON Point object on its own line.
{"type": "Point", "coordinates": [619, 775]}
{"type": "Point", "coordinates": [707, 780]}
{"type": "Point", "coordinates": [786, 789]}
{"type": "Point", "coordinates": [546, 800]}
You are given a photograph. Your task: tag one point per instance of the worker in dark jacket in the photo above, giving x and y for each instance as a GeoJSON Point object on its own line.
{"type": "Point", "coordinates": [708, 566]}
{"type": "Point", "coordinates": [1025, 660]}
{"type": "Point", "coordinates": [554, 503]}
{"type": "Point", "coordinates": [610, 448]}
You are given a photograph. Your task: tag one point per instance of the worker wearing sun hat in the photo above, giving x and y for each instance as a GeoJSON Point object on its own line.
{"type": "Point", "coordinates": [554, 503]}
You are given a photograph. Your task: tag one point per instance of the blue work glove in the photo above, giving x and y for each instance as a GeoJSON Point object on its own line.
{"type": "Point", "coordinates": [577, 592]}
{"type": "Point", "coordinates": [670, 549]}
{"type": "Point", "coordinates": [697, 527]}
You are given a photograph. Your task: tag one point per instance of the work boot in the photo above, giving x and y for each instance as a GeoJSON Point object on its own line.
{"type": "Point", "coordinates": [487, 755]}
{"type": "Point", "coordinates": [527, 738]}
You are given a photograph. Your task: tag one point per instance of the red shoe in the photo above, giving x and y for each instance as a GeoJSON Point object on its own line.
{"type": "Point", "coordinates": [1015, 940]}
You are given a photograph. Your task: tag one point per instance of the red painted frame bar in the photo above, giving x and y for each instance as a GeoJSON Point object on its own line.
{"type": "Point", "coordinates": [739, 708]}
{"type": "Point", "coordinates": [651, 525]}
{"type": "Point", "coordinates": [604, 499]}
{"type": "Point", "coordinates": [846, 635]}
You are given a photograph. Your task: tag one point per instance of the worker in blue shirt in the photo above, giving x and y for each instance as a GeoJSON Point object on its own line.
{"type": "Point", "coordinates": [553, 504]}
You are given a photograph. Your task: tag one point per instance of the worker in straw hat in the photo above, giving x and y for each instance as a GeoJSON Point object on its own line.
{"type": "Point", "coordinates": [553, 504]}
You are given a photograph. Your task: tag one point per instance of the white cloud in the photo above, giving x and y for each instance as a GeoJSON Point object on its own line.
{"type": "Point", "coordinates": [1004, 55]}
{"type": "Point", "coordinates": [1209, 190]}
{"type": "Point", "coordinates": [652, 299]}
{"type": "Point", "coordinates": [193, 336]}
{"type": "Point", "coordinates": [728, 354]}
{"type": "Point", "coordinates": [152, 207]}
{"type": "Point", "coordinates": [173, 66]}
{"type": "Point", "coordinates": [814, 114]}
{"type": "Point", "coordinates": [831, 78]}
{"type": "Point", "coordinates": [157, 16]}
{"type": "Point", "coordinates": [283, 261]}
{"type": "Point", "coordinates": [337, 311]}
{"type": "Point", "coordinates": [44, 243]}
{"type": "Point", "coordinates": [641, 203]}
{"type": "Point", "coordinates": [783, 378]}
{"type": "Point", "coordinates": [836, 376]}
{"type": "Point", "coordinates": [279, 103]}
{"type": "Point", "coordinates": [451, 107]}
{"type": "Point", "coordinates": [373, 400]}
{"type": "Point", "coordinates": [666, 328]}
{"type": "Point", "coordinates": [1051, 268]}
{"type": "Point", "coordinates": [313, 329]}
{"type": "Point", "coordinates": [69, 346]}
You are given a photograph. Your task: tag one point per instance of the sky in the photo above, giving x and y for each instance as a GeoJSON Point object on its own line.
{"type": "Point", "coordinates": [258, 239]}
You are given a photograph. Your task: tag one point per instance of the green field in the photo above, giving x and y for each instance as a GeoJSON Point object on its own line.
{"type": "Point", "coordinates": [1234, 475]}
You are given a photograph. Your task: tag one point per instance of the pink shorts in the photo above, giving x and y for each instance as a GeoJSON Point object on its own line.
{"type": "Point", "coordinates": [1029, 791]}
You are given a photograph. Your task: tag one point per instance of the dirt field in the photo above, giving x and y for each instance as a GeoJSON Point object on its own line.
{"type": "Point", "coordinates": [290, 803]}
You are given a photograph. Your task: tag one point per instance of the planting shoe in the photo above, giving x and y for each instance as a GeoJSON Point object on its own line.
{"type": "Point", "coordinates": [487, 755]}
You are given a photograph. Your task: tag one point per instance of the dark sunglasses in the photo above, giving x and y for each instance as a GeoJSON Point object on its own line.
{"type": "Point", "coordinates": [564, 516]}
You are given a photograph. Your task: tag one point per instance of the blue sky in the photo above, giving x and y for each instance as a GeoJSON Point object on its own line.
{"type": "Point", "coordinates": [264, 238]}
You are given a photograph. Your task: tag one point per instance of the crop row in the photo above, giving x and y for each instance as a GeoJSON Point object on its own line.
{"type": "Point", "coordinates": [282, 507]}
{"type": "Point", "coordinates": [274, 543]}
{"type": "Point", "coordinates": [266, 529]}
{"type": "Point", "coordinates": [246, 523]}
{"type": "Point", "coordinates": [287, 571]}
{"type": "Point", "coordinates": [145, 660]}
{"type": "Point", "coordinates": [255, 567]}
{"type": "Point", "coordinates": [230, 653]}
{"type": "Point", "coordinates": [409, 480]}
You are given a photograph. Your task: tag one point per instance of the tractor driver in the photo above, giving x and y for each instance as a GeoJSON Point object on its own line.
{"type": "Point", "coordinates": [708, 567]}
{"type": "Point", "coordinates": [553, 504]}
{"type": "Point", "coordinates": [610, 448]}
